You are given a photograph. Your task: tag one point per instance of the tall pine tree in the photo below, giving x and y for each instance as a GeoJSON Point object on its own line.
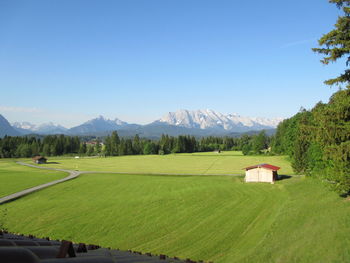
{"type": "Point", "coordinates": [336, 43]}
{"type": "Point", "coordinates": [333, 129]}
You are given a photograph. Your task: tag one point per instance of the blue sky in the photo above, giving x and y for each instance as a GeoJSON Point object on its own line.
{"type": "Point", "coordinates": [69, 61]}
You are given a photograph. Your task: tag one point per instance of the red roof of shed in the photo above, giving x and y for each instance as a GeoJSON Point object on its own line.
{"type": "Point", "coordinates": [264, 165]}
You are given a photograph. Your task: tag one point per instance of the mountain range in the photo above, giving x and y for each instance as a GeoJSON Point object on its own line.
{"type": "Point", "coordinates": [209, 119]}
{"type": "Point", "coordinates": [46, 128]}
{"type": "Point", "coordinates": [196, 122]}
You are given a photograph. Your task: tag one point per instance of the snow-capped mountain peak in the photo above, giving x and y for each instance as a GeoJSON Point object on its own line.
{"type": "Point", "coordinates": [120, 122]}
{"type": "Point", "coordinates": [24, 125]}
{"type": "Point", "coordinates": [45, 128]}
{"type": "Point", "coordinates": [201, 122]}
{"type": "Point", "coordinates": [50, 127]}
{"type": "Point", "coordinates": [100, 120]}
{"type": "Point", "coordinates": [210, 119]}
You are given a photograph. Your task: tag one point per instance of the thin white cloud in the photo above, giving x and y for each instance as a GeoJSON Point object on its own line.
{"type": "Point", "coordinates": [299, 42]}
{"type": "Point", "coordinates": [19, 109]}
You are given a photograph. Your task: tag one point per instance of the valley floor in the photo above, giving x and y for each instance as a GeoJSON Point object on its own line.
{"type": "Point", "coordinates": [213, 218]}
{"type": "Point", "coordinates": [228, 162]}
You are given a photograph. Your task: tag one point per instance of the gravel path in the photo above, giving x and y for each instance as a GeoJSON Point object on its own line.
{"type": "Point", "coordinates": [72, 175]}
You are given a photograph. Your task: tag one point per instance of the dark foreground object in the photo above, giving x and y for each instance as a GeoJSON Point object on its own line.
{"type": "Point", "coordinates": [29, 249]}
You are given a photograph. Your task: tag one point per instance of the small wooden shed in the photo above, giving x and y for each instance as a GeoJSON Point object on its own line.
{"type": "Point", "coordinates": [39, 159]}
{"type": "Point", "coordinates": [261, 173]}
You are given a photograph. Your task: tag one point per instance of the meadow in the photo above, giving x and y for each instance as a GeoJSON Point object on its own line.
{"type": "Point", "coordinates": [219, 218]}
{"type": "Point", "coordinates": [230, 162]}
{"type": "Point", "coordinates": [213, 218]}
{"type": "Point", "coordinates": [14, 177]}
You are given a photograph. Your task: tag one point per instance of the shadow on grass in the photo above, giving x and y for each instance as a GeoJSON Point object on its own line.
{"type": "Point", "coordinates": [283, 177]}
{"type": "Point", "coordinates": [52, 163]}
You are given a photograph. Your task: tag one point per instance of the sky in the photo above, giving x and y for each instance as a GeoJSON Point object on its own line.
{"type": "Point", "coordinates": [69, 61]}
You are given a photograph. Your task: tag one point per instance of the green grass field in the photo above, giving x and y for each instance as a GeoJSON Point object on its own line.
{"type": "Point", "coordinates": [196, 163]}
{"type": "Point", "coordinates": [213, 218]}
{"type": "Point", "coordinates": [14, 177]}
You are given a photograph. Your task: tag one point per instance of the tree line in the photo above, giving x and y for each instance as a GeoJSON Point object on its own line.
{"type": "Point", "coordinates": [318, 140]}
{"type": "Point", "coordinates": [113, 145]}
{"type": "Point", "coordinates": [51, 145]}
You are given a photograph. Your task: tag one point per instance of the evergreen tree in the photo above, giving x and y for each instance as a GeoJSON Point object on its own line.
{"type": "Point", "coordinates": [53, 150]}
{"type": "Point", "coordinates": [108, 146]}
{"type": "Point", "coordinates": [333, 136]}
{"type": "Point", "coordinates": [122, 148]}
{"type": "Point", "coordinates": [76, 144]}
{"type": "Point", "coordinates": [149, 148]}
{"type": "Point", "coordinates": [98, 147]}
{"type": "Point", "coordinates": [332, 132]}
{"type": "Point", "coordinates": [83, 148]}
{"type": "Point", "coordinates": [35, 148]}
{"type": "Point", "coordinates": [136, 145]}
{"type": "Point", "coordinates": [244, 140]}
{"type": "Point", "coordinates": [128, 147]}
{"type": "Point", "coordinates": [336, 43]}
{"type": "Point", "coordinates": [316, 165]}
{"type": "Point", "coordinates": [115, 141]}
{"type": "Point", "coordinates": [302, 143]}
{"type": "Point", "coordinates": [259, 142]}
{"type": "Point", "coordinates": [46, 150]}
{"type": "Point", "coordinates": [165, 144]}
{"type": "Point", "coordinates": [90, 150]}
{"type": "Point", "coordinates": [246, 149]}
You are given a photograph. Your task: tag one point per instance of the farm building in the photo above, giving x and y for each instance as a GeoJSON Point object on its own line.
{"type": "Point", "coordinates": [39, 159]}
{"type": "Point", "coordinates": [261, 173]}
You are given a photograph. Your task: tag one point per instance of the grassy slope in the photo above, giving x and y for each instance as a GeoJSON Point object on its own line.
{"type": "Point", "coordinates": [197, 163]}
{"type": "Point", "coordinates": [202, 217]}
{"type": "Point", "coordinates": [14, 177]}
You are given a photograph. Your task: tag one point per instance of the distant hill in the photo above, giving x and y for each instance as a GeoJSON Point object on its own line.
{"type": "Point", "coordinates": [6, 128]}
{"type": "Point", "coordinates": [99, 125]}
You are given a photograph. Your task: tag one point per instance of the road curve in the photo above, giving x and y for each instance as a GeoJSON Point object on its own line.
{"type": "Point", "coordinates": [72, 175]}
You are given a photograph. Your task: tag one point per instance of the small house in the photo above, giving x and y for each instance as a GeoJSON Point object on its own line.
{"type": "Point", "coordinates": [261, 173]}
{"type": "Point", "coordinates": [39, 159]}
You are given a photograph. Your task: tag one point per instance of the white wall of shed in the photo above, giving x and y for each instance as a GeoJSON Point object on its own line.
{"type": "Point", "coordinates": [259, 175]}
